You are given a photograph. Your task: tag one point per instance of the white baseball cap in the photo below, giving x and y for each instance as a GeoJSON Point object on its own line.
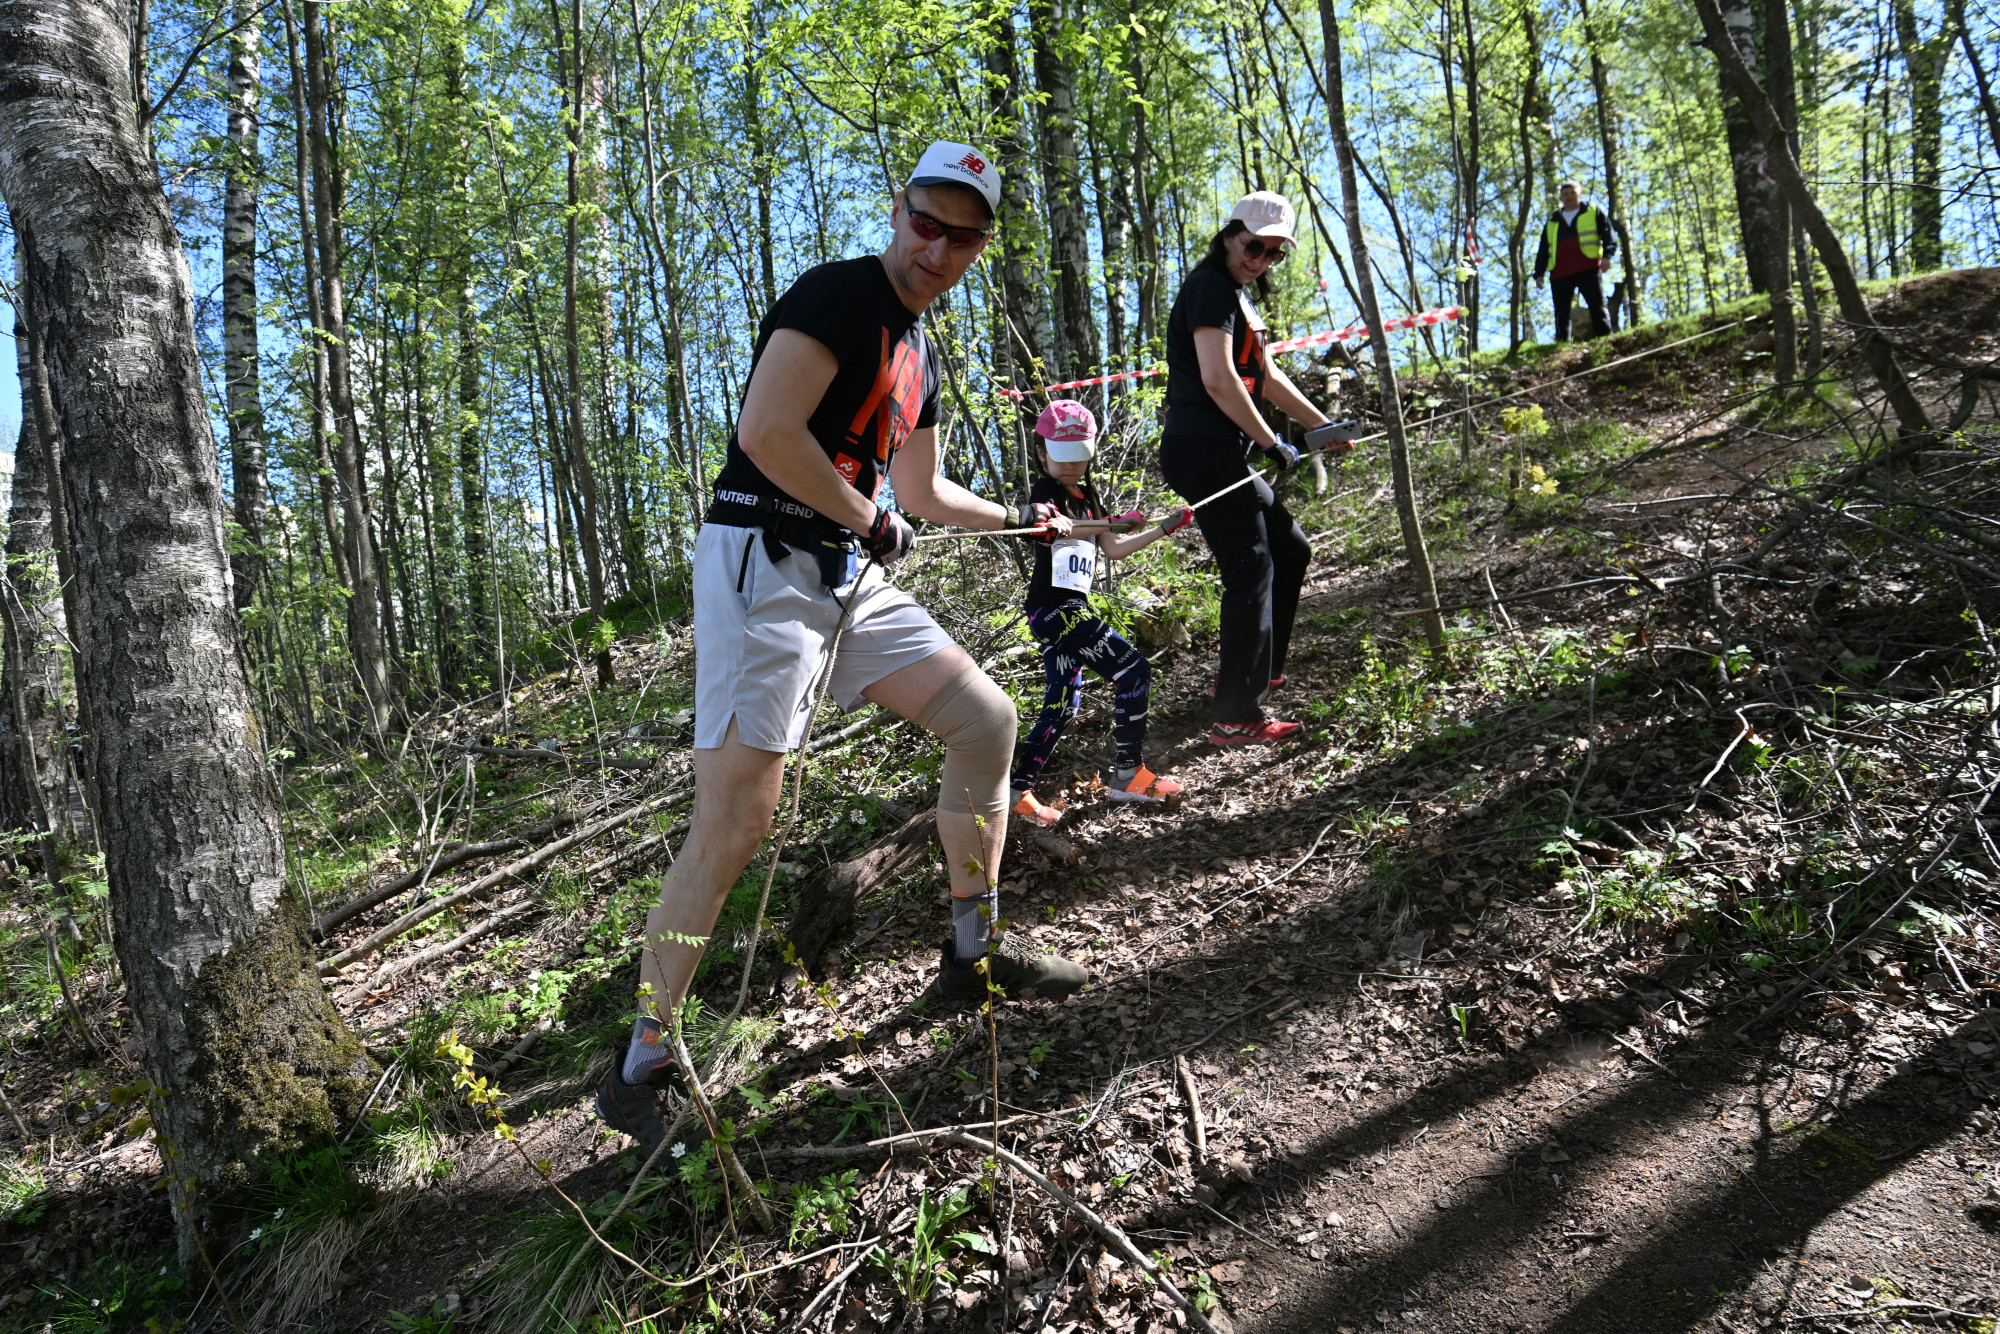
{"type": "Point", "coordinates": [946, 163]}
{"type": "Point", "coordinates": [1266, 213]}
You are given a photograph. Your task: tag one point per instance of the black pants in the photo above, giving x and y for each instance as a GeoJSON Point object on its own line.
{"type": "Point", "coordinates": [1262, 554]}
{"type": "Point", "coordinates": [1567, 290]}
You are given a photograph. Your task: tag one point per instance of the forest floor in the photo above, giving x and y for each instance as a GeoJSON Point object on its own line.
{"type": "Point", "coordinates": [1637, 969]}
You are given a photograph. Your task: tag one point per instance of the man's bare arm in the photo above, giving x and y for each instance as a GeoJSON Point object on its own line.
{"type": "Point", "coordinates": [790, 379]}
{"type": "Point", "coordinates": [923, 490]}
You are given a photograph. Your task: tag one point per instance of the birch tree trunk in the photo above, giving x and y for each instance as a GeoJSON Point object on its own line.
{"type": "Point", "coordinates": [1757, 194]}
{"type": "Point", "coordinates": [1414, 546]}
{"type": "Point", "coordinates": [249, 1054]}
{"type": "Point", "coordinates": [364, 626]}
{"type": "Point", "coordinates": [34, 793]}
{"type": "Point", "coordinates": [249, 484]}
{"type": "Point", "coordinates": [1076, 348]}
{"type": "Point", "coordinates": [1881, 357]}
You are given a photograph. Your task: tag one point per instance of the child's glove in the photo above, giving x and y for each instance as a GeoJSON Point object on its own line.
{"type": "Point", "coordinates": [1173, 523]}
{"type": "Point", "coordinates": [1137, 518]}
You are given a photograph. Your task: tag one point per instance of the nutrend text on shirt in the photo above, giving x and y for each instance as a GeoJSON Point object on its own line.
{"type": "Point", "coordinates": [1439, 316]}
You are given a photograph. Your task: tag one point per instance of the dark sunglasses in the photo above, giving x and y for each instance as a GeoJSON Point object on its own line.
{"type": "Point", "coordinates": [1256, 249]}
{"type": "Point", "coordinates": [930, 229]}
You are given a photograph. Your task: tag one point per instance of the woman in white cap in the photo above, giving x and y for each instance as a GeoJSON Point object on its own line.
{"type": "Point", "coordinates": [1073, 636]}
{"type": "Point", "coordinates": [1217, 368]}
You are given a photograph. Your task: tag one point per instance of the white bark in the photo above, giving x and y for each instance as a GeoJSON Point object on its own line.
{"type": "Point", "coordinates": [236, 1028]}
{"type": "Point", "coordinates": [239, 301]}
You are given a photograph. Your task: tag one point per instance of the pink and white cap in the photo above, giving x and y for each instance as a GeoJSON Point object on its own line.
{"type": "Point", "coordinates": [1267, 213]}
{"type": "Point", "coordinates": [1070, 430]}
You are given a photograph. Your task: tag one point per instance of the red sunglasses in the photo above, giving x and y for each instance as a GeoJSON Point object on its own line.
{"type": "Point", "coordinates": [930, 229]}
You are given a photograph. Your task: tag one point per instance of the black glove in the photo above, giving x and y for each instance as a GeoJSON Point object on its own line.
{"type": "Point", "coordinates": [889, 538]}
{"type": "Point", "coordinates": [1035, 514]}
{"type": "Point", "coordinates": [1283, 455]}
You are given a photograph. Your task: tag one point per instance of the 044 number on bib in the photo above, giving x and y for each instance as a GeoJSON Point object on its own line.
{"type": "Point", "coordinates": [1072, 563]}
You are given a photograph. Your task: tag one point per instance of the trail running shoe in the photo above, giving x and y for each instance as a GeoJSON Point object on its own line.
{"type": "Point", "coordinates": [1215, 684]}
{"type": "Point", "coordinates": [1033, 811]}
{"type": "Point", "coordinates": [635, 1108]}
{"type": "Point", "coordinates": [1270, 732]}
{"type": "Point", "coordinates": [1146, 786]}
{"type": "Point", "coordinates": [1017, 967]}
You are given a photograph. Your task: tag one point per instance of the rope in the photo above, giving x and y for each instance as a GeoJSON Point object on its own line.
{"type": "Point", "coordinates": [1248, 477]}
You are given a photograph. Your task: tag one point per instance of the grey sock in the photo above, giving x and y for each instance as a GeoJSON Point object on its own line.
{"type": "Point", "coordinates": [968, 928]}
{"type": "Point", "coordinates": [650, 1049]}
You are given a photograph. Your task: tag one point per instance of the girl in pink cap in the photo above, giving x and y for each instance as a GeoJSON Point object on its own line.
{"type": "Point", "coordinates": [1071, 635]}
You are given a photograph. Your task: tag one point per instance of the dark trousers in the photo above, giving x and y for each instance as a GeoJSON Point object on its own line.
{"type": "Point", "coordinates": [1262, 555]}
{"type": "Point", "coordinates": [1567, 289]}
{"type": "Point", "coordinates": [1073, 639]}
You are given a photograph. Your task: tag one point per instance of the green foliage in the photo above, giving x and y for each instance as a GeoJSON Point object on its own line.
{"type": "Point", "coordinates": [824, 1208]}
{"type": "Point", "coordinates": [932, 1248]}
{"type": "Point", "coordinates": [21, 1188]}
{"type": "Point", "coordinates": [113, 1296]}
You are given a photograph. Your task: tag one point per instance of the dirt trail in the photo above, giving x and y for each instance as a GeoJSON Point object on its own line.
{"type": "Point", "coordinates": [1465, 1061]}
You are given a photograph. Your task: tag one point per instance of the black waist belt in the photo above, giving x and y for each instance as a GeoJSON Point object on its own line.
{"type": "Point", "coordinates": [788, 525]}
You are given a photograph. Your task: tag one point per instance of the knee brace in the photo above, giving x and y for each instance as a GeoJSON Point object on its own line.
{"type": "Point", "coordinates": [977, 723]}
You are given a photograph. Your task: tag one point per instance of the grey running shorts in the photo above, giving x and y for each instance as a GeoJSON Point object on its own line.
{"type": "Point", "coordinates": [761, 631]}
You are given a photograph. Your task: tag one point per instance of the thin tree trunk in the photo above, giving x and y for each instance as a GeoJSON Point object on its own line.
{"type": "Point", "coordinates": [582, 475]}
{"type": "Point", "coordinates": [1881, 357]}
{"type": "Point", "coordinates": [1925, 58]}
{"type": "Point", "coordinates": [1779, 81]}
{"type": "Point", "coordinates": [1756, 192]}
{"type": "Point", "coordinates": [1608, 135]}
{"type": "Point", "coordinates": [1148, 315]}
{"type": "Point", "coordinates": [249, 486]}
{"type": "Point", "coordinates": [250, 1057]}
{"type": "Point", "coordinates": [1371, 310]}
{"type": "Point", "coordinates": [364, 626]}
{"type": "Point", "coordinates": [33, 787]}
{"type": "Point", "coordinates": [1989, 107]}
{"type": "Point", "coordinates": [1051, 32]}
{"type": "Point", "coordinates": [1025, 311]}
{"type": "Point", "coordinates": [1521, 319]}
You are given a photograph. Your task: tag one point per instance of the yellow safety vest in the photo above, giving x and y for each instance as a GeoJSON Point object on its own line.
{"type": "Point", "coordinates": [1586, 233]}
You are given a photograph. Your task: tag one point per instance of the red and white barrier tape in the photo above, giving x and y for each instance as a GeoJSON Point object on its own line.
{"type": "Point", "coordinates": [1429, 317]}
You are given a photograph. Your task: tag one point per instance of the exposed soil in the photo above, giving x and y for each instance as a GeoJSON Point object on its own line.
{"type": "Point", "coordinates": [1444, 1086]}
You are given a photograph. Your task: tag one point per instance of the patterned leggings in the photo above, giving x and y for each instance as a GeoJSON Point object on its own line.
{"type": "Point", "coordinates": [1073, 639]}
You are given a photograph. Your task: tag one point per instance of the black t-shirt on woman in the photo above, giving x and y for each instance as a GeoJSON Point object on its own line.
{"type": "Point", "coordinates": [1064, 567]}
{"type": "Point", "coordinates": [885, 388]}
{"type": "Point", "coordinates": [1210, 300]}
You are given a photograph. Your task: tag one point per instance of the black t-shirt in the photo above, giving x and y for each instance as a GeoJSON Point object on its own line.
{"type": "Point", "coordinates": [886, 387]}
{"type": "Point", "coordinates": [1078, 555]}
{"type": "Point", "coordinates": [1209, 300]}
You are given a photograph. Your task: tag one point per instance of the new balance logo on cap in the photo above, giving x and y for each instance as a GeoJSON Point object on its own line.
{"type": "Point", "coordinates": [945, 163]}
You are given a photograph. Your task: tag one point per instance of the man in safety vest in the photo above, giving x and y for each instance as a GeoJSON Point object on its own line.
{"type": "Point", "coordinates": [1577, 244]}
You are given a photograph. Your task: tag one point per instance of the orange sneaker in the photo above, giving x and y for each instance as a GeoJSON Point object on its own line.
{"type": "Point", "coordinates": [1145, 786]}
{"type": "Point", "coordinates": [1027, 808]}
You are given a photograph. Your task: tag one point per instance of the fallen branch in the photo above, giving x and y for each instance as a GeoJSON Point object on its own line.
{"type": "Point", "coordinates": [558, 757]}
{"type": "Point", "coordinates": [827, 903]}
{"type": "Point", "coordinates": [1196, 1124]}
{"type": "Point", "coordinates": [450, 859]}
{"type": "Point", "coordinates": [911, 1140]}
{"type": "Point", "coordinates": [1118, 1240]}
{"type": "Point", "coordinates": [494, 879]}
{"type": "Point", "coordinates": [435, 952]}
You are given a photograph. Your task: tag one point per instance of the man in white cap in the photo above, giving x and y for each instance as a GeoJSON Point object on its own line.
{"type": "Point", "coordinates": [842, 392]}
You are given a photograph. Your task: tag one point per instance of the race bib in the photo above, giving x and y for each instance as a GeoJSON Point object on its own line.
{"type": "Point", "coordinates": [1072, 562]}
